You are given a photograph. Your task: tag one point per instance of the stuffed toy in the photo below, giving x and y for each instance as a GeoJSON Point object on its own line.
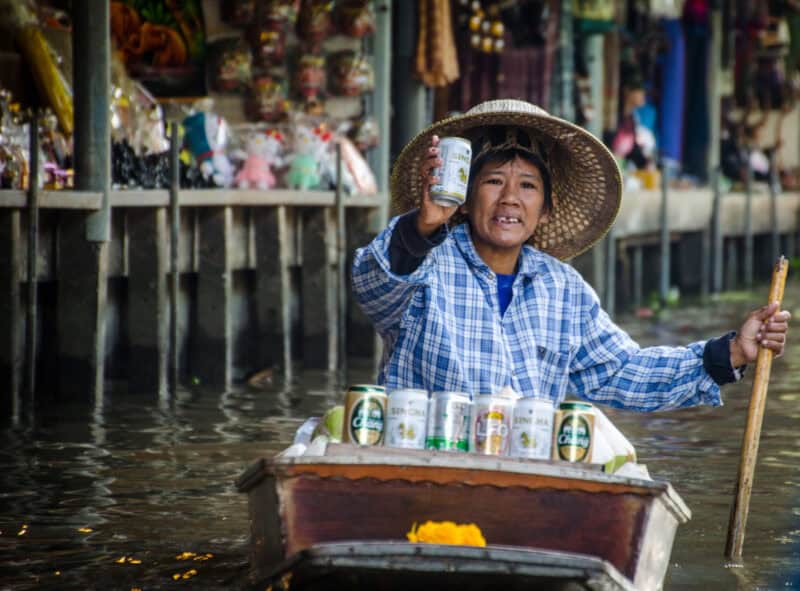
{"type": "Point", "coordinates": [263, 154]}
{"type": "Point", "coordinates": [311, 159]}
{"type": "Point", "coordinates": [206, 135]}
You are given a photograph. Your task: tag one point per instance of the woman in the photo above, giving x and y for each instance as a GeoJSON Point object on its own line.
{"type": "Point", "coordinates": [474, 298]}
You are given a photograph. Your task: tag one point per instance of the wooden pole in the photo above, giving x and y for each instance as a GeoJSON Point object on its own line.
{"type": "Point", "coordinates": [33, 260]}
{"type": "Point", "coordinates": [341, 272]}
{"type": "Point", "coordinates": [174, 273]}
{"type": "Point", "coordinates": [752, 433]}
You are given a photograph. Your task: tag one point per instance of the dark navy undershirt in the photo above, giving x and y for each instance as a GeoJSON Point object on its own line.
{"type": "Point", "coordinates": [504, 283]}
{"type": "Point", "coordinates": [408, 248]}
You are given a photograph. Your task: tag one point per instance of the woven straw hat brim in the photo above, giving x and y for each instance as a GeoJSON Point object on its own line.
{"type": "Point", "coordinates": [586, 180]}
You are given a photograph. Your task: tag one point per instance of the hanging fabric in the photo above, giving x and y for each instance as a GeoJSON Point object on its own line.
{"type": "Point", "coordinates": [436, 60]}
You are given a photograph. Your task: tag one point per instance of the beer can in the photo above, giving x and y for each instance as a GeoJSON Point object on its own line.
{"type": "Point", "coordinates": [364, 414]}
{"type": "Point", "coordinates": [532, 428]}
{"type": "Point", "coordinates": [573, 433]}
{"type": "Point", "coordinates": [449, 416]}
{"type": "Point", "coordinates": [492, 425]}
{"type": "Point", "coordinates": [456, 155]}
{"type": "Point", "coordinates": [406, 419]}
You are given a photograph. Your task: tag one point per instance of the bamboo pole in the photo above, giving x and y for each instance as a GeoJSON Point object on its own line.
{"type": "Point", "coordinates": [752, 433]}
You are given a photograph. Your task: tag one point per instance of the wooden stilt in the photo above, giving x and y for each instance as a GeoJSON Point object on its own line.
{"type": "Point", "coordinates": [273, 285]}
{"type": "Point", "coordinates": [11, 352]}
{"type": "Point", "coordinates": [319, 289]}
{"type": "Point", "coordinates": [213, 361]}
{"type": "Point", "coordinates": [148, 311]}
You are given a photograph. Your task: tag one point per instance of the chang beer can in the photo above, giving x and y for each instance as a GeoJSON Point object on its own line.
{"type": "Point", "coordinates": [532, 428]}
{"type": "Point", "coordinates": [456, 155]}
{"type": "Point", "coordinates": [573, 432]}
{"type": "Point", "coordinates": [491, 433]}
{"type": "Point", "coordinates": [364, 415]}
{"type": "Point", "coordinates": [449, 415]}
{"type": "Point", "coordinates": [406, 419]}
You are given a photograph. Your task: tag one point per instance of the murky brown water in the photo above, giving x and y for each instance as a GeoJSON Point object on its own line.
{"type": "Point", "coordinates": [147, 479]}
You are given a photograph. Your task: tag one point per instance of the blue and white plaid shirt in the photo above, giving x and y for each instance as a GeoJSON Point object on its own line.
{"type": "Point", "coordinates": [442, 330]}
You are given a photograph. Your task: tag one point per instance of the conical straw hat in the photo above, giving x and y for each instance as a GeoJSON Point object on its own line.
{"type": "Point", "coordinates": [586, 180]}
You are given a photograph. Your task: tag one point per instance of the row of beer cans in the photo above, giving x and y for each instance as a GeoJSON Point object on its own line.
{"type": "Point", "coordinates": [489, 424]}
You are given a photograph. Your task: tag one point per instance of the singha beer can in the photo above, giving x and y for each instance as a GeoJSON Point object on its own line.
{"type": "Point", "coordinates": [573, 435]}
{"type": "Point", "coordinates": [449, 415]}
{"type": "Point", "coordinates": [456, 155]}
{"type": "Point", "coordinates": [492, 425]}
{"type": "Point", "coordinates": [406, 419]}
{"type": "Point", "coordinates": [532, 428]}
{"type": "Point", "coordinates": [364, 415]}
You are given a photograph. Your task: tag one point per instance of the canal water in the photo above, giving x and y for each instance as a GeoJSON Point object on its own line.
{"type": "Point", "coordinates": [136, 492]}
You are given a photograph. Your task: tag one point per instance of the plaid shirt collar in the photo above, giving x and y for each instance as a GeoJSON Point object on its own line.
{"type": "Point", "coordinates": [531, 261]}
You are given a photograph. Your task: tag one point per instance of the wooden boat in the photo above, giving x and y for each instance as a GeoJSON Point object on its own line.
{"type": "Point", "coordinates": [346, 513]}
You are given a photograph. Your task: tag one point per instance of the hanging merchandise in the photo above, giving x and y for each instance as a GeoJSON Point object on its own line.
{"type": "Point", "coordinates": [351, 74]}
{"type": "Point", "coordinates": [486, 27]}
{"type": "Point", "coordinates": [238, 12]}
{"type": "Point", "coordinates": [282, 10]}
{"type": "Point", "coordinates": [365, 133]}
{"type": "Point", "coordinates": [162, 43]}
{"type": "Point", "coordinates": [230, 66]}
{"type": "Point", "coordinates": [309, 78]}
{"type": "Point", "coordinates": [264, 149]}
{"type": "Point", "coordinates": [355, 18]}
{"type": "Point", "coordinates": [268, 41]}
{"type": "Point", "coordinates": [315, 22]}
{"type": "Point", "coordinates": [267, 100]}
{"type": "Point", "coordinates": [357, 177]}
{"type": "Point", "coordinates": [436, 62]}
{"type": "Point", "coordinates": [41, 59]}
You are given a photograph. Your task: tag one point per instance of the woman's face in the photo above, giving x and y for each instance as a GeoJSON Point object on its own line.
{"type": "Point", "coordinates": [506, 206]}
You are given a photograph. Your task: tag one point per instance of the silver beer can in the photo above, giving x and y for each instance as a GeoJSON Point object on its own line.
{"type": "Point", "coordinates": [532, 428]}
{"type": "Point", "coordinates": [456, 155]}
{"type": "Point", "coordinates": [406, 419]}
{"type": "Point", "coordinates": [449, 416]}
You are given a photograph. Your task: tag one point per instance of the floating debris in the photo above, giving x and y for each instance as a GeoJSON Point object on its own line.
{"type": "Point", "coordinates": [128, 560]}
{"type": "Point", "coordinates": [187, 575]}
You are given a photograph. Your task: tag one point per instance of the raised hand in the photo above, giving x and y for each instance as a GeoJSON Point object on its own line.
{"type": "Point", "coordinates": [432, 215]}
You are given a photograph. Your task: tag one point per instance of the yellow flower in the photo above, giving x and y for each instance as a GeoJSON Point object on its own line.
{"type": "Point", "coordinates": [446, 532]}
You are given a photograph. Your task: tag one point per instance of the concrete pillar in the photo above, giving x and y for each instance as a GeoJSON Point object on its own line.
{"type": "Point", "coordinates": [319, 285]}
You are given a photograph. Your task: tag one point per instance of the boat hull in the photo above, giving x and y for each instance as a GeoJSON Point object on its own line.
{"type": "Point", "coordinates": [356, 493]}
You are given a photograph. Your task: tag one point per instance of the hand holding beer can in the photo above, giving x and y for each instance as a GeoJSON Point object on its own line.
{"type": "Point", "coordinates": [456, 155]}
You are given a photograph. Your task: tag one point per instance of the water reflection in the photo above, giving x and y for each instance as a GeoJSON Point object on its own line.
{"type": "Point", "coordinates": [110, 495]}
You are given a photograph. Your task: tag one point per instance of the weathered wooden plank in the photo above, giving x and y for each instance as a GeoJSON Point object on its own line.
{"type": "Point", "coordinates": [11, 352]}
{"type": "Point", "coordinates": [148, 309]}
{"type": "Point", "coordinates": [82, 296]}
{"type": "Point", "coordinates": [360, 331]}
{"type": "Point", "coordinates": [213, 358]}
{"type": "Point", "coordinates": [273, 285]}
{"type": "Point", "coordinates": [319, 289]}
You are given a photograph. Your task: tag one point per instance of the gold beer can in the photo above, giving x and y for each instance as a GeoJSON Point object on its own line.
{"type": "Point", "coordinates": [573, 432]}
{"type": "Point", "coordinates": [364, 415]}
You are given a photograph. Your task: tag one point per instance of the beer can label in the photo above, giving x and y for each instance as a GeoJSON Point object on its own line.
{"type": "Point", "coordinates": [406, 419]}
{"type": "Point", "coordinates": [449, 415]}
{"type": "Point", "coordinates": [532, 428]}
{"type": "Point", "coordinates": [456, 156]}
{"type": "Point", "coordinates": [365, 415]}
{"type": "Point", "coordinates": [573, 436]}
{"type": "Point", "coordinates": [492, 425]}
